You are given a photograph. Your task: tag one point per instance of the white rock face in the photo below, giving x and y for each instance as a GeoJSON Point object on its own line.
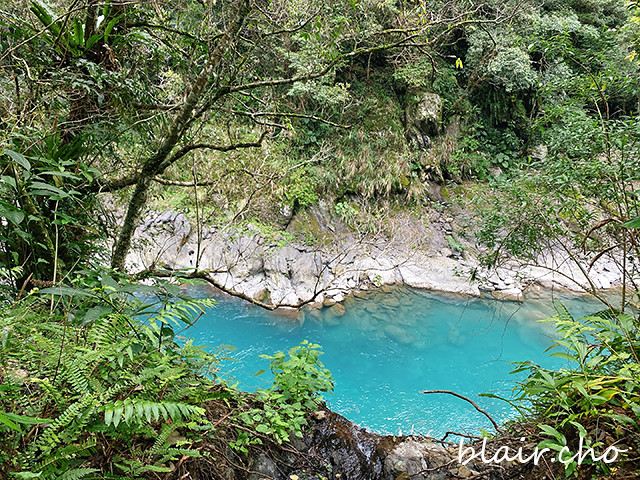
{"type": "Point", "coordinates": [437, 273]}
{"type": "Point", "coordinates": [254, 266]}
{"type": "Point", "coordinates": [423, 119]}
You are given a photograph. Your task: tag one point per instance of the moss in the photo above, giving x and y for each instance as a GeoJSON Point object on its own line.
{"type": "Point", "coordinates": [264, 296]}
{"type": "Point", "coordinates": [306, 226]}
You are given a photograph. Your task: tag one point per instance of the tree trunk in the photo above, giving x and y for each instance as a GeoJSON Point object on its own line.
{"type": "Point", "coordinates": [137, 203]}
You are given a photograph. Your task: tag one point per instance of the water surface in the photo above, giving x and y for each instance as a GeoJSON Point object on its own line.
{"type": "Point", "coordinates": [387, 348]}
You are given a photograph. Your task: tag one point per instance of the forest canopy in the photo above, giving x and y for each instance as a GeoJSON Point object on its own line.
{"type": "Point", "coordinates": [112, 97]}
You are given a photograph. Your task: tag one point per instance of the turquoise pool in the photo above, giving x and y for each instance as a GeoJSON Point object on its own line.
{"type": "Point", "coordinates": [388, 347]}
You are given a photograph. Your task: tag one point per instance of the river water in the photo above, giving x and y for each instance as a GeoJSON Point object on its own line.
{"type": "Point", "coordinates": [388, 347]}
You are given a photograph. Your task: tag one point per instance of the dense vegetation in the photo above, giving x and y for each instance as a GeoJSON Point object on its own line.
{"type": "Point", "coordinates": [238, 108]}
{"type": "Point", "coordinates": [99, 383]}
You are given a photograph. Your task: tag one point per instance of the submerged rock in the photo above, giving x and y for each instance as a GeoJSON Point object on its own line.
{"type": "Point", "coordinates": [509, 294]}
{"type": "Point", "coordinates": [398, 334]}
{"type": "Point", "coordinates": [337, 310]}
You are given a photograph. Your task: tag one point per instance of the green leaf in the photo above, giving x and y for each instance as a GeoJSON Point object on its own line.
{"type": "Point", "coordinates": [77, 473]}
{"type": "Point", "coordinates": [14, 216]}
{"type": "Point", "coordinates": [65, 291]}
{"type": "Point", "coordinates": [9, 181]}
{"type": "Point", "coordinates": [25, 420]}
{"type": "Point", "coordinates": [262, 428]}
{"type": "Point", "coordinates": [19, 159]}
{"type": "Point", "coordinates": [110, 25]}
{"type": "Point", "coordinates": [78, 32]}
{"type": "Point", "coordinates": [117, 416]}
{"type": "Point", "coordinates": [549, 430]}
{"type": "Point", "coordinates": [27, 475]}
{"type": "Point", "coordinates": [4, 419]}
{"type": "Point", "coordinates": [564, 355]}
{"type": "Point", "coordinates": [92, 40]}
{"type": "Point", "coordinates": [95, 313]}
{"type": "Point", "coordinates": [551, 444]}
{"type": "Point", "coordinates": [57, 173]}
{"type": "Point", "coordinates": [108, 416]}
{"type": "Point", "coordinates": [40, 188]}
{"type": "Point", "coordinates": [128, 412]}
{"type": "Point", "coordinates": [633, 223]}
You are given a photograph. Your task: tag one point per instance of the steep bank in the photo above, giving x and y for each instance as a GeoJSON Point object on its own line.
{"type": "Point", "coordinates": [332, 447]}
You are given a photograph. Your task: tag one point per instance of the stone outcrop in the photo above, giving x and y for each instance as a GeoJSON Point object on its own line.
{"type": "Point", "coordinates": [423, 117]}
{"type": "Point", "coordinates": [272, 271]}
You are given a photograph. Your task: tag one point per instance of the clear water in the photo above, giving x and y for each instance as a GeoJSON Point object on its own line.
{"type": "Point", "coordinates": [389, 347]}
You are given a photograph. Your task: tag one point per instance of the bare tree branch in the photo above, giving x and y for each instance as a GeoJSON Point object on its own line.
{"type": "Point", "coordinates": [448, 392]}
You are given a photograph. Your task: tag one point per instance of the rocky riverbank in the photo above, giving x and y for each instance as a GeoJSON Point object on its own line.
{"type": "Point", "coordinates": [333, 447]}
{"type": "Point", "coordinates": [274, 270]}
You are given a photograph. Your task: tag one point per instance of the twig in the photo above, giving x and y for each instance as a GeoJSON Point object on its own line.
{"type": "Point", "coordinates": [24, 285]}
{"type": "Point", "coordinates": [448, 392]}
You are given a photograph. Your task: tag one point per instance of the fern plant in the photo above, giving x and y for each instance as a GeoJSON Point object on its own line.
{"type": "Point", "coordinates": [74, 381]}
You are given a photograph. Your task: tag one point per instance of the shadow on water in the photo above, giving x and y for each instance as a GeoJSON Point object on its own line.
{"type": "Point", "coordinates": [385, 348]}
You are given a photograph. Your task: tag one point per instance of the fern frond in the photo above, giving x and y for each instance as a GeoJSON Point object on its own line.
{"type": "Point", "coordinates": [50, 438]}
{"type": "Point", "coordinates": [139, 410]}
{"type": "Point", "coordinates": [77, 473]}
{"type": "Point", "coordinates": [77, 376]}
{"type": "Point", "coordinates": [184, 311]}
{"type": "Point", "coordinates": [562, 313]}
{"type": "Point", "coordinates": [172, 453]}
{"type": "Point", "coordinates": [70, 451]}
{"type": "Point", "coordinates": [105, 331]}
{"type": "Point", "coordinates": [167, 430]}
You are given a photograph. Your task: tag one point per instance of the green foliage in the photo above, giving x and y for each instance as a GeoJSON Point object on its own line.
{"type": "Point", "coordinates": [301, 189]}
{"type": "Point", "coordinates": [70, 36]}
{"type": "Point", "coordinates": [47, 218]}
{"type": "Point", "coordinates": [418, 74]}
{"type": "Point", "coordinates": [101, 368]}
{"type": "Point", "coordinates": [299, 377]}
{"type": "Point", "coordinates": [467, 161]}
{"type": "Point", "coordinates": [598, 393]}
{"type": "Point", "coordinates": [598, 13]}
{"type": "Point", "coordinates": [502, 58]}
{"type": "Point", "coordinates": [562, 197]}
{"type": "Point", "coordinates": [455, 244]}
{"type": "Point", "coordinates": [346, 212]}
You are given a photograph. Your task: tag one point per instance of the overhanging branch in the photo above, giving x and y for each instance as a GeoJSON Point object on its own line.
{"type": "Point", "coordinates": [208, 146]}
{"type": "Point", "coordinates": [288, 115]}
{"type": "Point", "coordinates": [176, 183]}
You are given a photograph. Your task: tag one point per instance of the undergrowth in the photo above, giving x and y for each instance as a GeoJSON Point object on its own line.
{"type": "Point", "coordinates": [593, 402]}
{"type": "Point", "coordinates": [96, 382]}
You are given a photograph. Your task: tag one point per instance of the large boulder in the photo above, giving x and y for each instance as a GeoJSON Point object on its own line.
{"type": "Point", "coordinates": [423, 119]}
